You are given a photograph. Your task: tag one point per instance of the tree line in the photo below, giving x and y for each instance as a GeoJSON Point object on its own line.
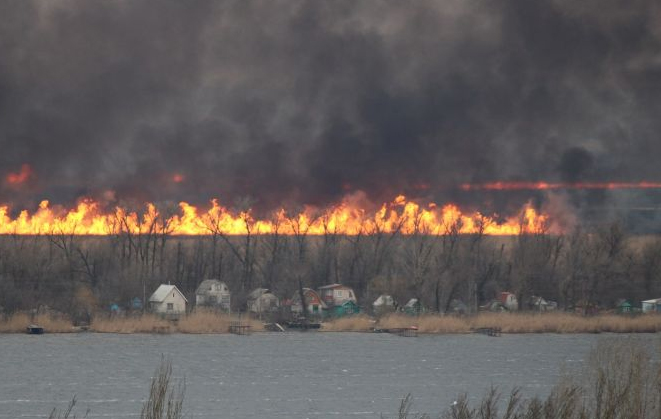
{"type": "Point", "coordinates": [85, 274]}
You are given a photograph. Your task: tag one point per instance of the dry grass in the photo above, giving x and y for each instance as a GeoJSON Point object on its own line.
{"type": "Point", "coordinates": [426, 324]}
{"type": "Point", "coordinates": [196, 322]}
{"type": "Point", "coordinates": [622, 380]}
{"type": "Point", "coordinates": [147, 323]}
{"type": "Point", "coordinates": [359, 323]}
{"type": "Point", "coordinates": [567, 323]}
{"type": "Point", "coordinates": [17, 323]}
{"type": "Point", "coordinates": [211, 322]}
{"type": "Point", "coordinates": [514, 323]}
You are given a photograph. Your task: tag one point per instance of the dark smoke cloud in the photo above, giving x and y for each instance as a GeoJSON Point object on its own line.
{"type": "Point", "coordinates": [304, 101]}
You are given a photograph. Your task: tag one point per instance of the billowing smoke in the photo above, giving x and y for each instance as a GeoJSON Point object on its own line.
{"type": "Point", "coordinates": [305, 101]}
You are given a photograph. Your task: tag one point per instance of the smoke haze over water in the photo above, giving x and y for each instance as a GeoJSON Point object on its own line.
{"type": "Point", "coordinates": [305, 101]}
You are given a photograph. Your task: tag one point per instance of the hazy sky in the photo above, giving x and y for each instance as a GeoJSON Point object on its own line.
{"type": "Point", "coordinates": [306, 101]}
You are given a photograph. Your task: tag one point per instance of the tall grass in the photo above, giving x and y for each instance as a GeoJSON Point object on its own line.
{"type": "Point", "coordinates": [200, 321]}
{"type": "Point", "coordinates": [146, 323]}
{"type": "Point", "coordinates": [360, 323]}
{"type": "Point", "coordinates": [557, 322]}
{"type": "Point", "coordinates": [165, 399]}
{"type": "Point", "coordinates": [18, 323]}
{"type": "Point", "coordinates": [203, 321]}
{"type": "Point", "coordinates": [622, 381]}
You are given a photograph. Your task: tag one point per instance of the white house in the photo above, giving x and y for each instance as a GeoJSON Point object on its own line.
{"type": "Point", "coordinates": [213, 293]}
{"type": "Point", "coordinates": [336, 294]}
{"type": "Point", "coordinates": [167, 299]}
{"type": "Point", "coordinates": [651, 306]}
{"type": "Point", "coordinates": [384, 304]}
{"type": "Point", "coordinates": [262, 301]}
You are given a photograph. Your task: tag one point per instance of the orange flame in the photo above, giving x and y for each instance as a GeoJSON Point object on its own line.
{"type": "Point", "coordinates": [400, 215]}
{"type": "Point", "coordinates": [21, 177]}
{"type": "Point", "coordinates": [520, 186]}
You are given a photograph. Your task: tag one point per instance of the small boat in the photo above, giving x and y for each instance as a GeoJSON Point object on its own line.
{"type": "Point", "coordinates": [33, 329]}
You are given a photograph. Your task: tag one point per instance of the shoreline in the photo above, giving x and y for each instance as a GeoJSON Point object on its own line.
{"type": "Point", "coordinates": [212, 323]}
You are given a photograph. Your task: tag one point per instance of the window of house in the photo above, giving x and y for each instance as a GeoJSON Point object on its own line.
{"type": "Point", "coordinates": [338, 293]}
{"type": "Point", "coordinates": [170, 306]}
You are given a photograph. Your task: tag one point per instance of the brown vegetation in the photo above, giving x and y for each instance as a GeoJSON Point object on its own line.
{"type": "Point", "coordinates": [146, 323]}
{"type": "Point", "coordinates": [212, 322]}
{"type": "Point", "coordinates": [359, 323]}
{"type": "Point", "coordinates": [621, 381]}
{"type": "Point", "coordinates": [18, 323]}
{"type": "Point", "coordinates": [508, 322]}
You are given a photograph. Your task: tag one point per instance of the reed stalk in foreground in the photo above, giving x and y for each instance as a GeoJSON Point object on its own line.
{"type": "Point", "coordinates": [165, 401]}
{"type": "Point", "coordinates": [622, 381]}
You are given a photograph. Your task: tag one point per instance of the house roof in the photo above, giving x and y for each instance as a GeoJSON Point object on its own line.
{"type": "Point", "coordinates": [256, 293]}
{"type": "Point", "coordinates": [654, 301]}
{"type": "Point", "coordinates": [206, 285]}
{"type": "Point", "coordinates": [334, 286]}
{"type": "Point", "coordinates": [307, 291]}
{"type": "Point", "coordinates": [162, 291]}
{"type": "Point", "coordinates": [384, 300]}
{"type": "Point", "coordinates": [412, 302]}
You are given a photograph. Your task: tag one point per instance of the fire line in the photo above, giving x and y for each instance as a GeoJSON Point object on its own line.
{"type": "Point", "coordinates": [514, 186]}
{"type": "Point", "coordinates": [399, 216]}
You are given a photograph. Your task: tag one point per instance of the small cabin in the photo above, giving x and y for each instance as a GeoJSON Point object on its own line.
{"type": "Point", "coordinates": [384, 304]}
{"type": "Point", "coordinates": [315, 305]}
{"type": "Point", "coordinates": [336, 294]}
{"type": "Point", "coordinates": [213, 293]}
{"type": "Point", "coordinates": [262, 301]}
{"type": "Point", "coordinates": [414, 307]}
{"type": "Point", "coordinates": [651, 306]}
{"type": "Point", "coordinates": [168, 300]}
{"type": "Point", "coordinates": [540, 304]}
{"type": "Point", "coordinates": [509, 301]}
{"type": "Point", "coordinates": [624, 307]}
{"type": "Point", "coordinates": [348, 308]}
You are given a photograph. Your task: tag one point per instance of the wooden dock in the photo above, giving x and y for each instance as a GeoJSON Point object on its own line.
{"type": "Point", "coordinates": [238, 328]}
{"type": "Point", "coordinates": [408, 332]}
{"type": "Point", "coordinates": [489, 331]}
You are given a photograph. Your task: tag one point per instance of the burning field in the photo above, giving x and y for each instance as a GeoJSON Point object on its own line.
{"type": "Point", "coordinates": [399, 216]}
{"type": "Point", "coordinates": [439, 150]}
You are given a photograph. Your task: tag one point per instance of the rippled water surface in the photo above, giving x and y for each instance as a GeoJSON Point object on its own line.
{"type": "Point", "coordinates": [287, 375]}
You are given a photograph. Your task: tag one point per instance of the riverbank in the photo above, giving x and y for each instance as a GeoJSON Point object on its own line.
{"type": "Point", "coordinates": [215, 323]}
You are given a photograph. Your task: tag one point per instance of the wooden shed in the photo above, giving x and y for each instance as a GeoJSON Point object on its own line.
{"type": "Point", "coordinates": [348, 308]}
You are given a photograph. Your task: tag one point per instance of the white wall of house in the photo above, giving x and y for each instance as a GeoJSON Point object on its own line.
{"type": "Point", "coordinates": [173, 303]}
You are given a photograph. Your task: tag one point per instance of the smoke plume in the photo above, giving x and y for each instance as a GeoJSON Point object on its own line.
{"type": "Point", "coordinates": [291, 102]}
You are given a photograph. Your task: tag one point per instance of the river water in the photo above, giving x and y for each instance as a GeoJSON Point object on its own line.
{"type": "Point", "coordinates": [279, 375]}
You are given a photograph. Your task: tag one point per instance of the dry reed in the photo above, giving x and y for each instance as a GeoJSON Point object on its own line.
{"type": "Point", "coordinates": [621, 381]}
{"type": "Point", "coordinates": [202, 321]}
{"type": "Point", "coordinates": [196, 322]}
{"type": "Point", "coordinates": [147, 323]}
{"type": "Point", "coordinates": [359, 323]}
{"type": "Point", "coordinates": [557, 322]}
{"type": "Point", "coordinates": [18, 323]}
